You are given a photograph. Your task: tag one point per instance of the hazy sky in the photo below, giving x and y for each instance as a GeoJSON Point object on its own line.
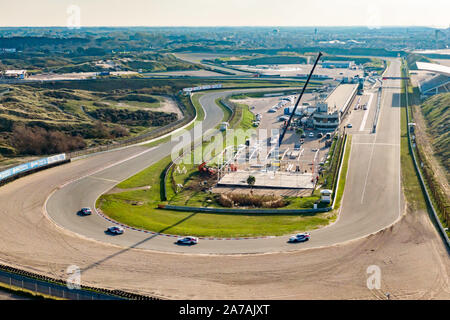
{"type": "Point", "coordinates": [225, 12]}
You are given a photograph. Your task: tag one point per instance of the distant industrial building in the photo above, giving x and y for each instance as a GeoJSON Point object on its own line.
{"type": "Point", "coordinates": [338, 64]}
{"type": "Point", "coordinates": [439, 83]}
{"type": "Point", "coordinates": [8, 50]}
{"type": "Point", "coordinates": [15, 74]}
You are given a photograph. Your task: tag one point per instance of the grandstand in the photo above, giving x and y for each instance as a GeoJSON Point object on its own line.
{"type": "Point", "coordinates": [439, 83]}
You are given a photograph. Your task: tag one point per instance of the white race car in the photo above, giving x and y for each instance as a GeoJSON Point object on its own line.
{"type": "Point", "coordinates": [300, 237]}
{"type": "Point", "coordinates": [187, 240]}
{"type": "Point", "coordinates": [115, 230]}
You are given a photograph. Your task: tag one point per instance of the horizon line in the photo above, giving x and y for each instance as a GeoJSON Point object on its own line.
{"type": "Point", "coordinates": [232, 26]}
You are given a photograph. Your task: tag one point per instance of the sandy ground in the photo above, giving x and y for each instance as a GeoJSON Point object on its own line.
{"type": "Point", "coordinates": [74, 75]}
{"type": "Point", "coordinates": [169, 105]}
{"type": "Point", "coordinates": [190, 73]}
{"type": "Point", "coordinates": [166, 105]}
{"type": "Point", "coordinates": [292, 70]}
{"type": "Point", "coordinates": [413, 261]}
{"type": "Point", "coordinates": [445, 62]}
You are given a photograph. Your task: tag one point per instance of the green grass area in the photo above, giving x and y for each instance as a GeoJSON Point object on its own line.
{"type": "Point", "coordinates": [410, 182]}
{"type": "Point", "coordinates": [376, 64]}
{"type": "Point", "coordinates": [343, 175]}
{"type": "Point", "coordinates": [139, 208]}
{"type": "Point", "coordinates": [95, 117]}
{"type": "Point", "coordinates": [200, 117]}
{"type": "Point", "coordinates": [25, 293]}
{"type": "Point", "coordinates": [412, 58]}
{"type": "Point", "coordinates": [436, 111]}
{"type": "Point", "coordinates": [205, 224]}
{"type": "Point", "coordinates": [226, 111]}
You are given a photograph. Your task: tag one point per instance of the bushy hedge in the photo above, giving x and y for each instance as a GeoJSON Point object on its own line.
{"type": "Point", "coordinates": [133, 117]}
{"type": "Point", "coordinates": [36, 141]}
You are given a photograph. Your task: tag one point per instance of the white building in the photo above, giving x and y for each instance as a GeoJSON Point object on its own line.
{"type": "Point", "coordinates": [15, 74]}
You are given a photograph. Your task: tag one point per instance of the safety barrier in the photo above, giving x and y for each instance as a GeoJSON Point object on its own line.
{"type": "Point", "coordinates": [377, 112]}
{"type": "Point", "coordinates": [243, 211]}
{"type": "Point", "coordinates": [337, 173]}
{"type": "Point", "coordinates": [44, 285]}
{"type": "Point", "coordinates": [30, 167]}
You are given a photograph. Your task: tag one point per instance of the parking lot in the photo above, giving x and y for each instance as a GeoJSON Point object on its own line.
{"type": "Point", "coordinates": [296, 157]}
{"type": "Point", "coordinates": [300, 156]}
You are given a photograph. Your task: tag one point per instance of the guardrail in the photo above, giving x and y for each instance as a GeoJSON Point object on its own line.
{"type": "Point", "coordinates": [337, 177]}
{"type": "Point", "coordinates": [242, 211]}
{"type": "Point", "coordinates": [377, 112]}
{"type": "Point", "coordinates": [419, 173]}
{"type": "Point", "coordinates": [58, 288]}
{"type": "Point", "coordinates": [30, 167]}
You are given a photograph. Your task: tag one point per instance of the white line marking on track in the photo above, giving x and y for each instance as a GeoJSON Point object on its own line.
{"type": "Point", "coordinates": [98, 178]}
{"type": "Point", "coordinates": [107, 167]}
{"type": "Point", "coordinates": [379, 144]}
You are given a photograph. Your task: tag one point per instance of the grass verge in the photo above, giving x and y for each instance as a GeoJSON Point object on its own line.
{"type": "Point", "coordinates": [139, 208]}
{"type": "Point", "coordinates": [343, 176]}
{"type": "Point", "coordinates": [26, 293]}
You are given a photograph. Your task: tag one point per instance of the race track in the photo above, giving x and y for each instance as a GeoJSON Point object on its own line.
{"type": "Point", "coordinates": [41, 232]}
{"type": "Point", "coordinates": [372, 199]}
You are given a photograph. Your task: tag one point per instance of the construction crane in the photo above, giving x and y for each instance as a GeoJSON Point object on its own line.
{"type": "Point", "coordinates": [298, 100]}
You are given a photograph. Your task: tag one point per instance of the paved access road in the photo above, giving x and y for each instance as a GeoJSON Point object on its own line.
{"type": "Point", "coordinates": [372, 198]}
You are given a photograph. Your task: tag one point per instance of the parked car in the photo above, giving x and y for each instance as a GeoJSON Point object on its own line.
{"type": "Point", "coordinates": [187, 240]}
{"type": "Point", "coordinates": [349, 125]}
{"type": "Point", "coordinates": [311, 135]}
{"type": "Point", "coordinates": [85, 211]}
{"type": "Point", "coordinates": [300, 237]}
{"type": "Point", "coordinates": [320, 135]}
{"type": "Point", "coordinates": [297, 146]}
{"type": "Point", "coordinates": [115, 230]}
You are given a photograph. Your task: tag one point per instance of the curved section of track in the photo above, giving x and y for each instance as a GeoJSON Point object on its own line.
{"type": "Point", "coordinates": [412, 258]}
{"type": "Point", "coordinates": [372, 198]}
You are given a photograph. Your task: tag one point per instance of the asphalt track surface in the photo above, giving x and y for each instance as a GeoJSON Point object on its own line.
{"type": "Point", "coordinates": [372, 199]}
{"type": "Point", "coordinates": [413, 260]}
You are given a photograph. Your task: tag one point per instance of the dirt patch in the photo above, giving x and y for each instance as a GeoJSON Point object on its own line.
{"type": "Point", "coordinates": [170, 106]}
